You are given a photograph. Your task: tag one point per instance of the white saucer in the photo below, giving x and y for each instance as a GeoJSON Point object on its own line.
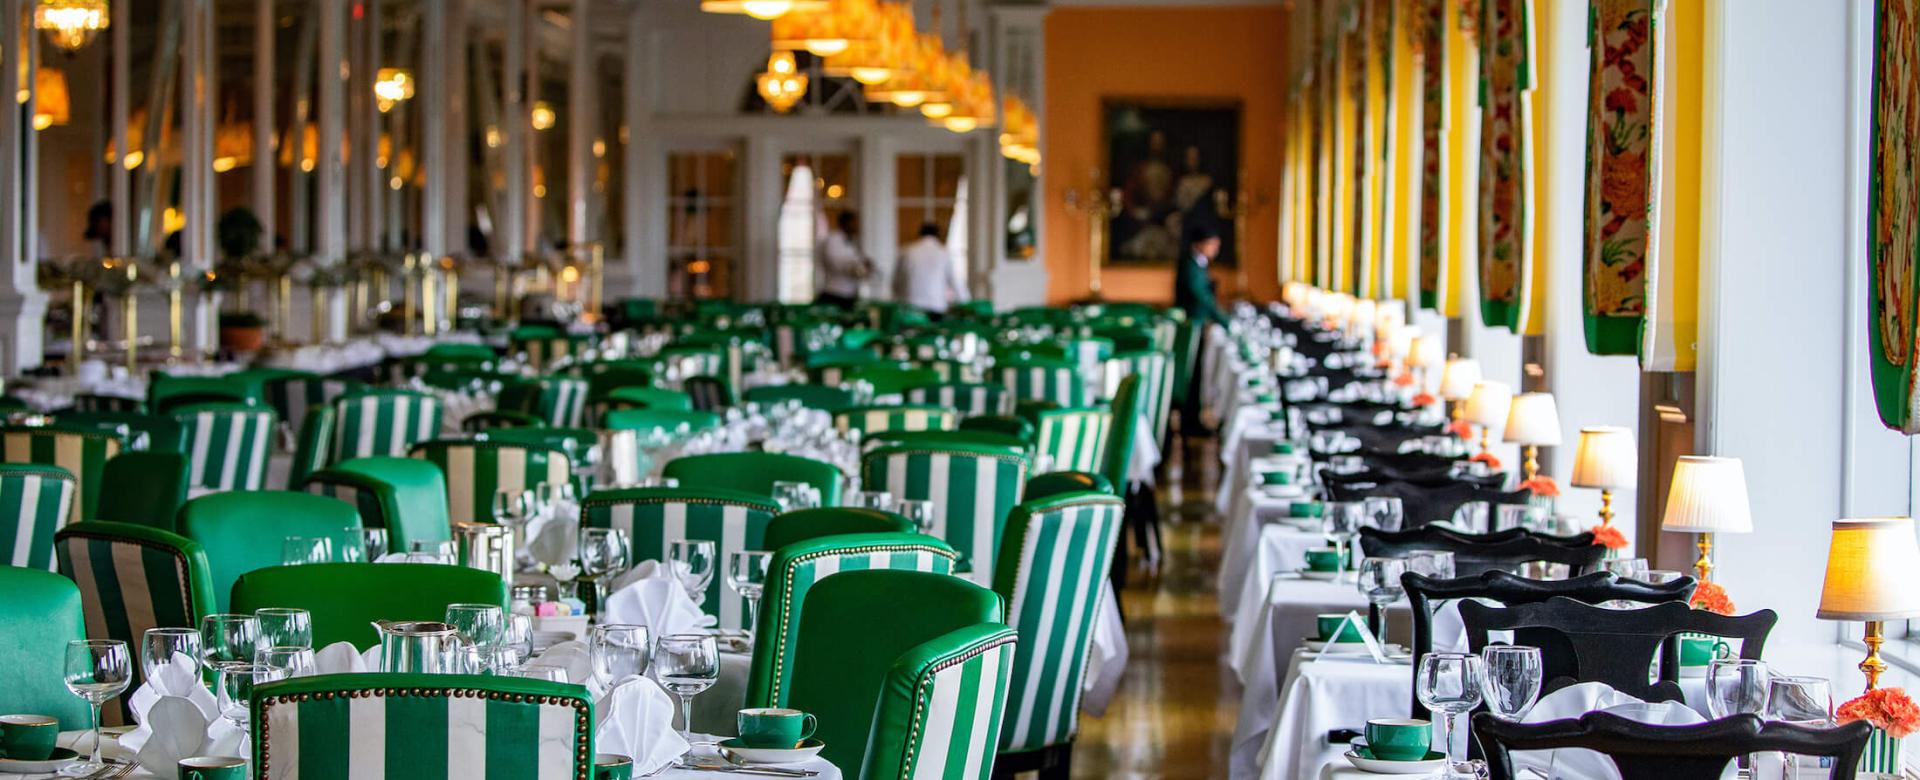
{"type": "Point", "coordinates": [1320, 646]}
{"type": "Point", "coordinates": [747, 755]}
{"type": "Point", "coordinates": [1383, 767]}
{"type": "Point", "coordinates": [1318, 575]}
{"type": "Point", "coordinates": [1693, 672]}
{"type": "Point", "coordinates": [59, 760]}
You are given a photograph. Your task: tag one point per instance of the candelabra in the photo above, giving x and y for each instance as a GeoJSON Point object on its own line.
{"type": "Point", "coordinates": [1098, 205]}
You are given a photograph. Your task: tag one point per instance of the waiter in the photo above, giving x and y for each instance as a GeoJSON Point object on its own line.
{"type": "Point", "coordinates": [1193, 293]}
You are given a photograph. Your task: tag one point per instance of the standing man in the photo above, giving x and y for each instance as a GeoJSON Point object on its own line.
{"type": "Point", "coordinates": [1193, 292]}
{"type": "Point", "coordinates": [926, 277]}
{"type": "Point", "coordinates": [840, 265]}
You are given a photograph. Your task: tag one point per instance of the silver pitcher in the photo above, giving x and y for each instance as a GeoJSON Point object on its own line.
{"type": "Point", "coordinates": [485, 546]}
{"type": "Point", "coordinates": [417, 646]}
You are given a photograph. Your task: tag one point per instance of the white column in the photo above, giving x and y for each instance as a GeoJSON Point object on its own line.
{"type": "Point", "coordinates": [433, 129]}
{"type": "Point", "coordinates": [360, 171]}
{"type": "Point", "coordinates": [983, 240]}
{"type": "Point", "coordinates": [330, 195]}
{"type": "Point", "coordinates": [264, 159]}
{"type": "Point", "coordinates": [455, 153]}
{"type": "Point", "coordinates": [535, 211]}
{"type": "Point", "coordinates": [644, 219]}
{"type": "Point", "coordinates": [580, 126]}
{"type": "Point", "coordinates": [757, 275]}
{"type": "Point", "coordinates": [510, 235]}
{"type": "Point", "coordinates": [879, 231]}
{"type": "Point", "coordinates": [22, 305]}
{"type": "Point", "coordinates": [196, 169]}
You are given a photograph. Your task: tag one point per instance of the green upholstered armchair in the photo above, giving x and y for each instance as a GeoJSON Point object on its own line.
{"type": "Point", "coordinates": [555, 400]}
{"type": "Point", "coordinates": [972, 487]}
{"type": "Point", "coordinates": [39, 616]}
{"type": "Point", "coordinates": [292, 393]}
{"type": "Point", "coordinates": [823, 397]}
{"type": "Point", "coordinates": [804, 524]}
{"type": "Point", "coordinates": [476, 469]}
{"type": "Point", "coordinates": [133, 578]}
{"type": "Point", "coordinates": [82, 451]}
{"type": "Point", "coordinates": [406, 496]}
{"type": "Point", "coordinates": [654, 517]}
{"type": "Point", "coordinates": [1058, 482]}
{"type": "Point", "coordinates": [900, 417]}
{"type": "Point", "coordinates": [243, 531]}
{"type": "Point", "coordinates": [970, 399]}
{"type": "Point", "coordinates": [1126, 424]}
{"type": "Point", "coordinates": [1058, 381]}
{"type": "Point", "coordinates": [1156, 372]}
{"type": "Point", "coordinates": [382, 422]}
{"type": "Point", "coordinates": [314, 448]}
{"type": "Point", "coordinates": [227, 444]}
{"type": "Point", "coordinates": [163, 434]}
{"type": "Point", "coordinates": [658, 420]}
{"type": "Point", "coordinates": [35, 501]}
{"type": "Point", "coordinates": [148, 488]}
{"type": "Point", "coordinates": [345, 598]}
{"type": "Point", "coordinates": [755, 472]}
{"type": "Point", "coordinates": [165, 391]}
{"type": "Point", "coordinates": [1073, 438]}
{"type": "Point", "coordinates": [798, 568]}
{"type": "Point", "coordinates": [939, 713]}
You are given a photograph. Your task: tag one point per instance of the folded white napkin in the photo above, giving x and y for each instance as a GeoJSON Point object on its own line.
{"type": "Point", "coordinates": [344, 658]}
{"type": "Point", "coordinates": [553, 535]}
{"type": "Point", "coordinates": [571, 656]}
{"type": "Point", "coordinates": [656, 601]}
{"type": "Point", "coordinates": [635, 720]}
{"type": "Point", "coordinates": [1576, 700]}
{"type": "Point", "coordinates": [178, 718]}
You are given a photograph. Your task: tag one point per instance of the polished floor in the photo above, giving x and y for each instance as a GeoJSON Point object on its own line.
{"type": "Point", "coordinates": [1173, 716]}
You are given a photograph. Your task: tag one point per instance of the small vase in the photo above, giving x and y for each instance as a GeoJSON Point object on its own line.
{"type": "Point", "coordinates": [1882, 756]}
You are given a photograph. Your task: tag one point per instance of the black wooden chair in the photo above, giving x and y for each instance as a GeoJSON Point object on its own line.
{"type": "Point", "coordinates": [1644, 751]}
{"type": "Point", "coordinates": [1613, 646]}
{"type": "Point", "coordinates": [1475, 554]}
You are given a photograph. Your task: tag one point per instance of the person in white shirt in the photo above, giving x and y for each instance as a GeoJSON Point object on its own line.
{"type": "Point", "coordinates": [926, 276]}
{"type": "Point", "coordinates": [840, 265]}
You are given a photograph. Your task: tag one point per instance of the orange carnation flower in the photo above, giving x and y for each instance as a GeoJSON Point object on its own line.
{"type": "Point", "coordinates": [1487, 458]}
{"type": "Point", "coordinates": [1461, 429]}
{"type": "Point", "coordinates": [1405, 378]}
{"type": "Point", "coordinates": [1609, 537]}
{"type": "Point", "coordinates": [1423, 399]}
{"type": "Point", "coordinates": [1712, 598]}
{"type": "Point", "coordinates": [1888, 709]}
{"type": "Point", "coordinates": [1542, 486]}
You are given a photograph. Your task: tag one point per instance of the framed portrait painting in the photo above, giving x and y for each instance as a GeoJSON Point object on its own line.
{"type": "Point", "coordinates": [1170, 164]}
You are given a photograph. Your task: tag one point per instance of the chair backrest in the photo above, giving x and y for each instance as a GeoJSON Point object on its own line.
{"type": "Point", "coordinates": [92, 402]}
{"type": "Point", "coordinates": [1057, 482]}
{"type": "Point", "coordinates": [940, 708]}
{"type": "Point", "coordinates": [658, 419]}
{"type": "Point", "coordinates": [292, 394]}
{"type": "Point", "coordinates": [1614, 646]}
{"type": "Point", "coordinates": [1053, 569]}
{"type": "Point", "coordinates": [1645, 751]}
{"type": "Point", "coordinates": [345, 598]}
{"type": "Point", "coordinates": [822, 397]}
{"type": "Point", "coordinates": [35, 501]}
{"type": "Point", "coordinates": [163, 434]}
{"type": "Point", "coordinates": [755, 472]}
{"type": "Point", "coordinates": [1424, 505]}
{"type": "Point", "coordinates": [1058, 381]}
{"type": "Point", "coordinates": [382, 422]}
{"type": "Point", "coordinates": [708, 393]}
{"type": "Point", "coordinates": [972, 487]}
{"type": "Point", "coordinates": [1155, 369]}
{"type": "Point", "coordinates": [148, 488]}
{"type": "Point", "coordinates": [83, 452]}
{"type": "Point", "coordinates": [969, 399]}
{"type": "Point", "coordinates": [406, 496]}
{"type": "Point", "coordinates": [227, 445]}
{"type": "Point", "coordinates": [428, 727]}
{"type": "Point", "coordinates": [133, 578]}
{"type": "Point", "coordinates": [903, 417]}
{"type": "Point", "coordinates": [888, 379]}
{"type": "Point", "coordinates": [655, 517]}
{"type": "Point", "coordinates": [165, 392]}
{"type": "Point", "coordinates": [314, 448]}
{"type": "Point", "coordinates": [560, 401]}
{"type": "Point", "coordinates": [477, 469]}
{"type": "Point", "coordinates": [1474, 554]}
{"type": "Point", "coordinates": [246, 530]}
{"type": "Point", "coordinates": [1006, 424]}
{"type": "Point", "coordinates": [650, 397]}
{"type": "Point", "coordinates": [41, 613]}
{"type": "Point", "coordinates": [856, 626]}
{"type": "Point", "coordinates": [797, 568]}
{"type": "Point", "coordinates": [1074, 439]}
{"type": "Point", "coordinates": [805, 524]}
{"type": "Point", "coordinates": [499, 418]}
{"type": "Point", "coordinates": [1126, 426]}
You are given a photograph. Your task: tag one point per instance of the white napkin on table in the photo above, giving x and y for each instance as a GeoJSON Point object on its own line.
{"type": "Point", "coordinates": [658, 602]}
{"type": "Point", "coordinates": [553, 536]}
{"type": "Point", "coordinates": [344, 658]}
{"type": "Point", "coordinates": [178, 718]}
{"type": "Point", "coordinates": [635, 719]}
{"type": "Point", "coordinates": [570, 655]}
{"type": "Point", "coordinates": [1576, 700]}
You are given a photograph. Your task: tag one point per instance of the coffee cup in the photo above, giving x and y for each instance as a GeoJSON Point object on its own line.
{"type": "Point", "coordinates": [213, 768]}
{"type": "Point", "coordinates": [1323, 560]}
{"type": "Point", "coordinates": [1399, 739]}
{"type": "Point", "coordinates": [612, 766]}
{"type": "Point", "coordinates": [28, 737]}
{"type": "Point", "coordinates": [1276, 477]}
{"type": "Point", "coordinates": [1326, 624]}
{"type": "Point", "coordinates": [774, 727]}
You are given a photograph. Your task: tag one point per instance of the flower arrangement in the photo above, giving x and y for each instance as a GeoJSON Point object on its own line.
{"type": "Point", "coordinates": [1423, 399]}
{"type": "Point", "coordinates": [1542, 486]}
{"type": "Point", "coordinates": [1461, 429]}
{"type": "Point", "coordinates": [1487, 458]}
{"type": "Point", "coordinates": [1609, 537]}
{"type": "Point", "coordinates": [1403, 378]}
{"type": "Point", "coordinates": [1711, 597]}
{"type": "Point", "coordinates": [1888, 709]}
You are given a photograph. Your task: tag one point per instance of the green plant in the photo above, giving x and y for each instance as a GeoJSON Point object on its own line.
{"type": "Point", "coordinates": [241, 319]}
{"type": "Point", "coordinates": [238, 232]}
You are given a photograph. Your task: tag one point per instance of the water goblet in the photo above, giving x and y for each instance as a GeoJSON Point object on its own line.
{"type": "Point", "coordinates": [1379, 581]}
{"type": "Point", "coordinates": [1384, 512]}
{"type": "Point", "coordinates": [519, 636]}
{"type": "Point", "coordinates": [1737, 685]}
{"type": "Point", "coordinates": [96, 670]}
{"type": "Point", "coordinates": [283, 627]}
{"type": "Point", "coordinates": [1625, 568]}
{"type": "Point", "coordinates": [1339, 524]}
{"type": "Point", "coordinates": [227, 639]}
{"type": "Point", "coordinates": [479, 625]}
{"type": "Point", "coordinates": [295, 661]}
{"type": "Point", "coordinates": [1512, 681]}
{"type": "Point", "coordinates": [687, 664]}
{"type": "Point", "coordinates": [511, 507]}
{"type": "Point", "coordinates": [236, 689]}
{"type": "Point", "coordinates": [432, 551]}
{"type": "Point", "coordinates": [302, 550]}
{"type": "Point", "coordinates": [547, 672]}
{"type": "Point", "coordinates": [692, 563]}
{"type": "Point", "coordinates": [1437, 564]}
{"type": "Point", "coordinates": [747, 575]}
{"type": "Point", "coordinates": [1802, 701]}
{"type": "Point", "coordinates": [618, 651]}
{"type": "Point", "coordinates": [1449, 685]}
{"type": "Point", "coordinates": [919, 512]}
{"type": "Point", "coordinates": [158, 646]}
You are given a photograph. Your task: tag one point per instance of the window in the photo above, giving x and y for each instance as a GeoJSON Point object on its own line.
{"type": "Point", "coordinates": [819, 190]}
{"type": "Point", "coordinates": [931, 188]}
{"type": "Point", "coordinates": [701, 246]}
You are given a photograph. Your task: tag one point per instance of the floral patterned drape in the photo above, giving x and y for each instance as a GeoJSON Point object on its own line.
{"type": "Point", "coordinates": [1893, 214]}
{"type": "Point", "coordinates": [1619, 177]}
{"type": "Point", "coordinates": [1429, 36]}
{"type": "Point", "coordinates": [1505, 148]}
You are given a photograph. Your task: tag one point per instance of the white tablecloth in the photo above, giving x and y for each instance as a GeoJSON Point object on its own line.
{"type": "Point", "coordinates": [1281, 549]}
{"type": "Point", "coordinates": [1242, 545]}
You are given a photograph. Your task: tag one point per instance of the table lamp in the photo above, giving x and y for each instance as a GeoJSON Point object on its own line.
{"type": "Point", "coordinates": [1487, 407]}
{"type": "Point", "coordinates": [1873, 574]}
{"type": "Point", "coordinates": [1533, 421]}
{"type": "Point", "coordinates": [1605, 459]}
{"type": "Point", "coordinates": [1708, 496]}
{"type": "Point", "coordinates": [1424, 355]}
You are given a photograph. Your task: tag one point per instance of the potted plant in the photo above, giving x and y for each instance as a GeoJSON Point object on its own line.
{"type": "Point", "coordinates": [1894, 716]}
{"type": "Point", "coordinates": [242, 331]}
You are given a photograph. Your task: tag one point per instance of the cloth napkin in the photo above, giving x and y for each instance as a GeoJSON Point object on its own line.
{"type": "Point", "coordinates": [1576, 700]}
{"type": "Point", "coordinates": [635, 719]}
{"type": "Point", "coordinates": [553, 535]}
{"type": "Point", "coordinates": [647, 596]}
{"type": "Point", "coordinates": [179, 718]}
{"type": "Point", "coordinates": [344, 658]}
{"type": "Point", "coordinates": [570, 655]}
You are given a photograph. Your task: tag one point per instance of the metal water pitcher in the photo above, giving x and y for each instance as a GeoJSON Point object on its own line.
{"type": "Point", "coordinates": [417, 646]}
{"type": "Point", "coordinates": [485, 546]}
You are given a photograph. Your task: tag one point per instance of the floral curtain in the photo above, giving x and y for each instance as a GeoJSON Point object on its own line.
{"type": "Point", "coordinates": [1893, 213]}
{"type": "Point", "coordinates": [1619, 174]}
{"type": "Point", "coordinates": [1429, 33]}
{"type": "Point", "coordinates": [1505, 148]}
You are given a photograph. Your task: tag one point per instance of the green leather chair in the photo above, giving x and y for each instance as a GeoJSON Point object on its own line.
{"type": "Point", "coordinates": [978, 485]}
{"type": "Point", "coordinates": [607, 376]}
{"type": "Point", "coordinates": [653, 397]}
{"type": "Point", "coordinates": [165, 392]}
{"type": "Point", "coordinates": [486, 421]}
{"type": "Point", "coordinates": [293, 393]}
{"type": "Point", "coordinates": [1053, 575]}
{"type": "Point", "coordinates": [1058, 381]}
{"type": "Point", "coordinates": [1156, 372]}
{"type": "Point", "coordinates": [39, 616]}
{"type": "Point", "coordinates": [406, 496]}
{"type": "Point", "coordinates": [476, 470]}
{"type": "Point", "coordinates": [878, 419]}
{"type": "Point", "coordinates": [227, 445]}
{"type": "Point", "coordinates": [889, 380]}
{"type": "Point", "coordinates": [133, 578]}
{"type": "Point", "coordinates": [1074, 439]}
{"type": "Point", "coordinates": [856, 626]}
{"type": "Point", "coordinates": [555, 400]}
{"type": "Point", "coordinates": [940, 707]}
{"type": "Point", "coordinates": [346, 598]}
{"type": "Point", "coordinates": [653, 517]}
{"type": "Point", "coordinates": [1126, 425]}
{"type": "Point", "coordinates": [708, 393]}
{"type": "Point", "coordinates": [1007, 424]}
{"type": "Point", "coordinates": [970, 399]}
{"type": "Point", "coordinates": [163, 433]}
{"type": "Point", "coordinates": [93, 402]}
{"type": "Point", "coordinates": [825, 398]}
{"type": "Point", "coordinates": [804, 524]}
{"type": "Point", "coordinates": [35, 501]}
{"type": "Point", "coordinates": [658, 419]}
{"type": "Point", "coordinates": [799, 567]}
{"type": "Point", "coordinates": [314, 448]}
{"type": "Point", "coordinates": [382, 422]}
{"type": "Point", "coordinates": [1058, 482]}
{"type": "Point", "coordinates": [245, 530]}
{"type": "Point", "coordinates": [755, 472]}
{"type": "Point", "coordinates": [82, 451]}
{"type": "Point", "coordinates": [148, 489]}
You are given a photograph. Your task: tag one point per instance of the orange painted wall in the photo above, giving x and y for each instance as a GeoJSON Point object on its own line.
{"type": "Point", "coordinates": [1198, 52]}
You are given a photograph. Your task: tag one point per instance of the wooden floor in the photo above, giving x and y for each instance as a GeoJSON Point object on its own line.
{"type": "Point", "coordinates": [1173, 716]}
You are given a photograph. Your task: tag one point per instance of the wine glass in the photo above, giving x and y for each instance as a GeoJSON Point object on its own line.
{"type": "Point", "coordinates": [1340, 522]}
{"type": "Point", "coordinates": [1384, 512]}
{"type": "Point", "coordinates": [1512, 681]}
{"type": "Point", "coordinates": [1802, 701]}
{"type": "Point", "coordinates": [1625, 568]}
{"type": "Point", "coordinates": [158, 646]}
{"type": "Point", "coordinates": [295, 661]}
{"type": "Point", "coordinates": [228, 639]}
{"type": "Point", "coordinates": [96, 670]}
{"type": "Point", "coordinates": [432, 551]}
{"type": "Point", "coordinates": [919, 511]}
{"type": "Point", "coordinates": [687, 664]}
{"type": "Point", "coordinates": [618, 651]}
{"type": "Point", "coordinates": [1449, 685]}
{"type": "Point", "coordinates": [603, 554]}
{"type": "Point", "coordinates": [302, 550]}
{"type": "Point", "coordinates": [547, 672]}
{"type": "Point", "coordinates": [519, 636]}
{"type": "Point", "coordinates": [1437, 564]}
{"type": "Point", "coordinates": [512, 507]}
{"type": "Point", "coordinates": [283, 627]}
{"type": "Point", "coordinates": [376, 542]}
{"type": "Point", "coordinates": [871, 499]}
{"type": "Point", "coordinates": [479, 625]}
{"type": "Point", "coordinates": [691, 561]}
{"type": "Point", "coordinates": [236, 689]}
{"type": "Point", "coordinates": [1379, 581]}
{"type": "Point", "coordinates": [1737, 685]}
{"type": "Point", "coordinates": [747, 575]}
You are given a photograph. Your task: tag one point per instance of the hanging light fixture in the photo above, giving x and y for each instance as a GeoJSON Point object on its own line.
{"type": "Point", "coordinates": [51, 105]}
{"type": "Point", "coordinates": [782, 84]}
{"type": "Point", "coordinates": [543, 115]}
{"type": "Point", "coordinates": [764, 10]}
{"type": "Point", "coordinates": [70, 24]}
{"type": "Point", "coordinates": [391, 87]}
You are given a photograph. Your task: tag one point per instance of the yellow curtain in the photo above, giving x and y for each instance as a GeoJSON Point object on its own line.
{"type": "Point", "coordinates": [1402, 220]}
{"type": "Point", "coordinates": [1538, 109]}
{"type": "Point", "coordinates": [1673, 254]}
{"type": "Point", "coordinates": [1460, 142]}
{"type": "Point", "coordinates": [1375, 32]}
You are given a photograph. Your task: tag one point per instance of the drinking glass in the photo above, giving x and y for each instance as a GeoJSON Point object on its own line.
{"type": "Point", "coordinates": [547, 672]}
{"type": "Point", "coordinates": [158, 646]}
{"type": "Point", "coordinates": [602, 551]}
{"type": "Point", "coordinates": [479, 625]}
{"type": "Point", "coordinates": [691, 561]}
{"type": "Point", "coordinates": [295, 661]}
{"type": "Point", "coordinates": [1625, 568]}
{"type": "Point", "coordinates": [302, 550]}
{"type": "Point", "coordinates": [618, 651]}
{"type": "Point", "coordinates": [793, 496]}
{"type": "Point", "coordinates": [1737, 685]}
{"type": "Point", "coordinates": [918, 511]}
{"type": "Point", "coordinates": [1802, 701]}
{"type": "Point", "coordinates": [1340, 523]}
{"type": "Point", "coordinates": [1380, 582]}
{"type": "Point", "coordinates": [519, 637]}
{"type": "Point", "coordinates": [687, 664]}
{"type": "Point", "coordinates": [227, 639]}
{"type": "Point", "coordinates": [1384, 512]}
{"type": "Point", "coordinates": [1437, 564]}
{"type": "Point", "coordinates": [1471, 517]}
{"type": "Point", "coordinates": [871, 499]}
{"type": "Point", "coordinates": [1512, 681]}
{"type": "Point", "coordinates": [1449, 685]}
{"type": "Point", "coordinates": [484, 659]}
{"type": "Point", "coordinates": [1523, 516]}
{"type": "Point", "coordinates": [747, 575]}
{"type": "Point", "coordinates": [282, 627]}
{"type": "Point", "coordinates": [376, 542]}
{"type": "Point", "coordinates": [512, 507]}
{"type": "Point", "coordinates": [96, 670]}
{"type": "Point", "coordinates": [426, 551]}
{"type": "Point", "coordinates": [236, 689]}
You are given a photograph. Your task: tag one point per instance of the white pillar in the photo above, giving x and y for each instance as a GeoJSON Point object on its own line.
{"type": "Point", "coordinates": [22, 305]}
{"type": "Point", "coordinates": [433, 129]}
{"type": "Point", "coordinates": [455, 153]}
{"type": "Point", "coordinates": [756, 276]}
{"type": "Point", "coordinates": [510, 233]}
{"type": "Point", "coordinates": [330, 195]}
{"type": "Point", "coordinates": [197, 250]}
{"type": "Point", "coordinates": [879, 229]}
{"type": "Point", "coordinates": [535, 160]}
{"type": "Point", "coordinates": [580, 127]}
{"type": "Point", "coordinates": [644, 221]}
{"type": "Point", "coordinates": [261, 190]}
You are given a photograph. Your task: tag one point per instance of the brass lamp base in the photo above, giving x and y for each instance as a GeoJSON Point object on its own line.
{"type": "Point", "coordinates": [1704, 566]}
{"type": "Point", "coordinates": [1873, 666]}
{"type": "Point", "coordinates": [1531, 467]}
{"type": "Point", "coordinates": [1606, 507]}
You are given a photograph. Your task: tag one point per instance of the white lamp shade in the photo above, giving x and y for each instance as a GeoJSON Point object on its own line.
{"type": "Point", "coordinates": [1400, 340]}
{"type": "Point", "coordinates": [1458, 378]}
{"type": "Point", "coordinates": [1425, 352]}
{"type": "Point", "coordinates": [1360, 317]}
{"type": "Point", "coordinates": [1873, 571]}
{"type": "Point", "coordinates": [1605, 458]}
{"type": "Point", "coordinates": [1534, 420]}
{"type": "Point", "coordinates": [1487, 404]}
{"type": "Point", "coordinates": [1708, 495]}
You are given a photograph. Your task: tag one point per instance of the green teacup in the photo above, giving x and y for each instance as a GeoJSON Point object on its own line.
{"type": "Point", "coordinates": [1399, 739]}
{"type": "Point", "coordinates": [612, 766]}
{"type": "Point", "coordinates": [774, 727]}
{"type": "Point", "coordinates": [1305, 509]}
{"type": "Point", "coordinates": [1325, 624]}
{"type": "Point", "coordinates": [1323, 560]}
{"type": "Point", "coordinates": [1283, 448]}
{"type": "Point", "coordinates": [213, 768]}
{"type": "Point", "coordinates": [1276, 477]}
{"type": "Point", "coordinates": [1702, 650]}
{"type": "Point", "coordinates": [28, 737]}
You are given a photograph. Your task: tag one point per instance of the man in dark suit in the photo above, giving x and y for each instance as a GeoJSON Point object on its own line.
{"type": "Point", "coordinates": [1193, 292]}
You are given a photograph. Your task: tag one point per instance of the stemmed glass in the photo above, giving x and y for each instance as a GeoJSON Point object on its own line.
{"type": "Point", "coordinates": [1512, 681]}
{"type": "Point", "coordinates": [1437, 564]}
{"type": "Point", "coordinates": [603, 553]}
{"type": "Point", "coordinates": [284, 627]}
{"type": "Point", "coordinates": [96, 670]}
{"type": "Point", "coordinates": [618, 651]}
{"type": "Point", "coordinates": [1380, 582]}
{"type": "Point", "coordinates": [920, 512]}
{"type": "Point", "coordinates": [479, 625]}
{"type": "Point", "coordinates": [687, 664]}
{"type": "Point", "coordinates": [747, 575]}
{"type": "Point", "coordinates": [1802, 701]}
{"type": "Point", "coordinates": [1384, 512]}
{"type": "Point", "coordinates": [691, 561]}
{"type": "Point", "coordinates": [1449, 684]}
{"type": "Point", "coordinates": [1737, 685]}
{"type": "Point", "coordinates": [302, 550]}
{"type": "Point", "coordinates": [512, 507]}
{"type": "Point", "coordinates": [519, 637]}
{"type": "Point", "coordinates": [375, 541]}
{"type": "Point", "coordinates": [228, 640]}
{"type": "Point", "coordinates": [158, 646]}
{"type": "Point", "coordinates": [1341, 522]}
{"type": "Point", "coordinates": [871, 499]}
{"type": "Point", "coordinates": [1625, 568]}
{"type": "Point", "coordinates": [236, 689]}
{"type": "Point", "coordinates": [295, 661]}
{"type": "Point", "coordinates": [432, 551]}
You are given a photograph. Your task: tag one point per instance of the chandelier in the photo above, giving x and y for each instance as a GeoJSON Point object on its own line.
{"type": "Point", "coordinates": [874, 42]}
{"type": "Point", "coordinates": [763, 10]}
{"type": "Point", "coordinates": [782, 84]}
{"type": "Point", "coordinates": [392, 86]}
{"type": "Point", "coordinates": [70, 24]}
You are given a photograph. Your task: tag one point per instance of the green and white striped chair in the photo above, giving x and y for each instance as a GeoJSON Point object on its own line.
{"type": "Point", "coordinates": [407, 497]}
{"type": "Point", "coordinates": [543, 352]}
{"type": "Point", "coordinates": [559, 400]}
{"type": "Point", "coordinates": [133, 578]}
{"type": "Point", "coordinates": [476, 470]}
{"type": "Point", "coordinates": [794, 571]}
{"type": "Point", "coordinates": [1054, 565]}
{"type": "Point", "coordinates": [313, 450]}
{"type": "Point", "coordinates": [422, 727]}
{"type": "Point", "coordinates": [972, 487]}
{"type": "Point", "coordinates": [1044, 380]}
{"type": "Point", "coordinates": [82, 451]}
{"type": "Point", "coordinates": [35, 501]}
{"type": "Point", "coordinates": [970, 399]}
{"type": "Point", "coordinates": [940, 708]}
{"type": "Point", "coordinates": [654, 517]}
{"type": "Point", "coordinates": [1074, 439]}
{"type": "Point", "coordinates": [292, 395]}
{"type": "Point", "coordinates": [879, 419]}
{"type": "Point", "coordinates": [227, 445]}
{"type": "Point", "coordinates": [1156, 372]}
{"type": "Point", "coordinates": [382, 422]}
